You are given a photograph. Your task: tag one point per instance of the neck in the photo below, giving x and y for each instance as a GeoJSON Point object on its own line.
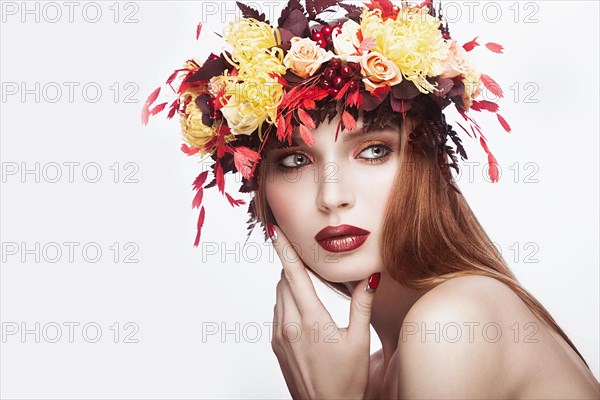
{"type": "Point", "coordinates": [390, 306]}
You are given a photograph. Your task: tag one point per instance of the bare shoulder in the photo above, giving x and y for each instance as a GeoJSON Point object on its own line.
{"type": "Point", "coordinates": [474, 337]}
{"type": "Point", "coordinates": [455, 340]}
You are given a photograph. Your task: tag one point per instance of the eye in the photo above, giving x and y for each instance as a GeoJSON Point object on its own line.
{"type": "Point", "coordinates": [376, 152]}
{"type": "Point", "coordinates": [293, 160]}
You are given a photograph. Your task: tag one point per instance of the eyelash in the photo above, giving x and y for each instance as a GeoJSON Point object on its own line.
{"type": "Point", "coordinates": [388, 148]}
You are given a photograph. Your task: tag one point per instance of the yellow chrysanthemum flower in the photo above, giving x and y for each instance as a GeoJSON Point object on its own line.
{"type": "Point", "coordinates": [254, 93]}
{"type": "Point", "coordinates": [193, 130]}
{"type": "Point", "coordinates": [412, 41]}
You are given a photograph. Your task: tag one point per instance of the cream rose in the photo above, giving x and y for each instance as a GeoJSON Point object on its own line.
{"type": "Point", "coordinates": [457, 62]}
{"type": "Point", "coordinates": [346, 42]}
{"type": "Point", "coordinates": [305, 57]}
{"type": "Point", "coordinates": [379, 71]}
{"type": "Point", "coordinates": [241, 117]}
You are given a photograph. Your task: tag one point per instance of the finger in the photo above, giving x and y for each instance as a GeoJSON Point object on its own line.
{"type": "Point", "coordinates": [361, 305]}
{"type": "Point", "coordinates": [290, 309]}
{"type": "Point", "coordinates": [297, 277]}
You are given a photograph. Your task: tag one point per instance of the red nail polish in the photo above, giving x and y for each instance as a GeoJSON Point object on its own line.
{"type": "Point", "coordinates": [373, 281]}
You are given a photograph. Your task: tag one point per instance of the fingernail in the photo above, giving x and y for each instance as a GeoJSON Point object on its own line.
{"type": "Point", "coordinates": [271, 231]}
{"type": "Point", "coordinates": [373, 282]}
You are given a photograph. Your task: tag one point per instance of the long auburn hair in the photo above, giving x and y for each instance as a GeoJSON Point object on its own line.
{"type": "Point", "coordinates": [430, 234]}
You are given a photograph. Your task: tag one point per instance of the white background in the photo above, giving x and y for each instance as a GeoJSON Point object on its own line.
{"type": "Point", "coordinates": [174, 293]}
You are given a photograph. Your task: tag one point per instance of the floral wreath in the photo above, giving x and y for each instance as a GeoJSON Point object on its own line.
{"type": "Point", "coordinates": [383, 59]}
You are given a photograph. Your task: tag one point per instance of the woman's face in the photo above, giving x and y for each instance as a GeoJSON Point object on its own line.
{"type": "Point", "coordinates": [334, 183]}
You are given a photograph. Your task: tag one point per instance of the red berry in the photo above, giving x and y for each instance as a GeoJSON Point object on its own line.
{"type": "Point", "coordinates": [317, 35]}
{"type": "Point", "coordinates": [329, 73]}
{"type": "Point", "coordinates": [326, 30]}
{"type": "Point", "coordinates": [338, 82]}
{"type": "Point", "coordinates": [333, 92]}
{"type": "Point", "coordinates": [335, 64]}
{"type": "Point", "coordinates": [346, 72]}
{"type": "Point", "coordinates": [326, 84]}
{"type": "Point", "coordinates": [353, 86]}
{"type": "Point", "coordinates": [355, 66]}
{"type": "Point", "coordinates": [322, 43]}
{"type": "Point", "coordinates": [211, 102]}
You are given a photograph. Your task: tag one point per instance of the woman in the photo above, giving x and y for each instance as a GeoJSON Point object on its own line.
{"type": "Point", "coordinates": [450, 315]}
{"type": "Point", "coordinates": [338, 131]}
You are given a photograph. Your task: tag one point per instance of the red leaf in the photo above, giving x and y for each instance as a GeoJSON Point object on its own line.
{"type": "Point", "coordinates": [174, 108]}
{"type": "Point", "coordinates": [471, 45]}
{"type": "Point", "coordinates": [503, 122]}
{"type": "Point", "coordinates": [199, 225]}
{"type": "Point", "coordinates": [220, 178]}
{"type": "Point", "coordinates": [495, 47]}
{"type": "Point", "coordinates": [198, 199]}
{"type": "Point", "coordinates": [306, 119]}
{"type": "Point", "coordinates": [349, 121]}
{"type": "Point", "coordinates": [493, 168]}
{"type": "Point", "coordinates": [200, 179]}
{"type": "Point", "coordinates": [484, 145]}
{"type": "Point", "coordinates": [309, 104]}
{"type": "Point", "coordinates": [307, 136]}
{"type": "Point", "coordinates": [243, 158]}
{"type": "Point", "coordinates": [479, 105]}
{"type": "Point", "coordinates": [342, 92]}
{"type": "Point", "coordinates": [158, 109]}
{"type": "Point", "coordinates": [153, 96]}
{"type": "Point", "coordinates": [198, 30]}
{"type": "Point", "coordinates": [491, 85]}
{"type": "Point", "coordinates": [172, 77]}
{"type": "Point", "coordinates": [381, 91]}
{"type": "Point", "coordinates": [354, 99]}
{"type": "Point", "coordinates": [145, 114]}
{"type": "Point", "coordinates": [233, 201]}
{"type": "Point", "coordinates": [190, 151]}
{"type": "Point", "coordinates": [280, 128]}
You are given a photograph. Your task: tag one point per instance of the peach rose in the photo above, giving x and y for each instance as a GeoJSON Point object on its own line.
{"type": "Point", "coordinates": [379, 71]}
{"type": "Point", "coordinates": [457, 62]}
{"type": "Point", "coordinates": [305, 57]}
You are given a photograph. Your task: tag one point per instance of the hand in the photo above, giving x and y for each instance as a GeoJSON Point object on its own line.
{"type": "Point", "coordinates": [318, 359]}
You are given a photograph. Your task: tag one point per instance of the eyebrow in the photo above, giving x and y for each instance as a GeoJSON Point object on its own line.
{"type": "Point", "coordinates": [346, 136]}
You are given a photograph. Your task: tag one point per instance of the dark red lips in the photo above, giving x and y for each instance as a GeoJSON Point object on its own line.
{"type": "Point", "coordinates": [337, 239]}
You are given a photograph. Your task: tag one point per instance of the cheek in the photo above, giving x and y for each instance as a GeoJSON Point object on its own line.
{"type": "Point", "coordinates": [289, 207]}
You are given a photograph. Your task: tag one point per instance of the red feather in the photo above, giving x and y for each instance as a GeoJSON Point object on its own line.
{"type": "Point", "coordinates": [471, 45]}
{"type": "Point", "coordinates": [491, 85]}
{"type": "Point", "coordinates": [463, 128]}
{"type": "Point", "coordinates": [198, 30]}
{"type": "Point", "coordinates": [484, 145]}
{"type": "Point", "coordinates": [503, 123]}
{"type": "Point", "coordinates": [307, 136]}
{"type": "Point", "coordinates": [349, 121]}
{"type": "Point", "coordinates": [479, 105]}
{"type": "Point", "coordinates": [309, 104]}
{"type": "Point", "coordinates": [493, 168]}
{"type": "Point", "coordinates": [200, 223]}
{"type": "Point", "coordinates": [495, 47]}
{"type": "Point", "coordinates": [306, 119]}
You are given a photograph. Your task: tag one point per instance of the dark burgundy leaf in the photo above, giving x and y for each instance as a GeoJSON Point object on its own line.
{"type": "Point", "coordinates": [249, 12]}
{"type": "Point", "coordinates": [405, 90]}
{"type": "Point", "coordinates": [208, 70]}
{"type": "Point", "coordinates": [297, 23]}
{"type": "Point", "coordinates": [292, 5]}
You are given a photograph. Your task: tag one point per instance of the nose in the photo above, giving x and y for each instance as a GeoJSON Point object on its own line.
{"type": "Point", "coordinates": [334, 191]}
